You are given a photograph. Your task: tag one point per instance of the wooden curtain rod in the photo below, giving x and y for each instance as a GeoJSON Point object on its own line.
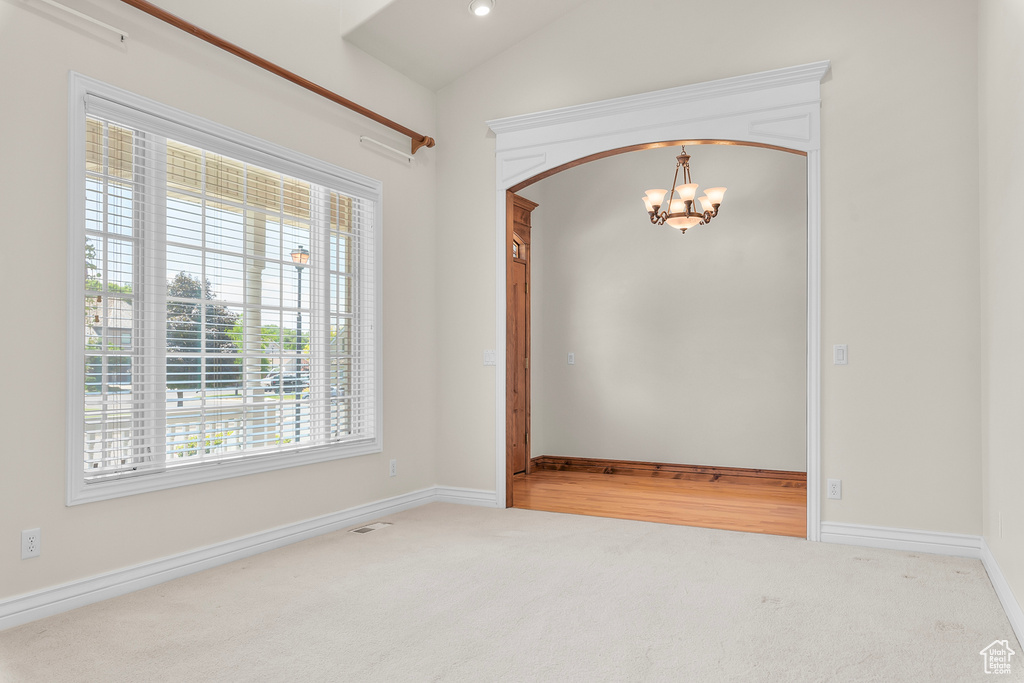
{"type": "Point", "coordinates": [418, 140]}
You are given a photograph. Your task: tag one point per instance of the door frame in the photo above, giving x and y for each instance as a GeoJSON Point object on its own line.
{"type": "Point", "coordinates": [510, 231]}
{"type": "Point", "coordinates": [780, 109]}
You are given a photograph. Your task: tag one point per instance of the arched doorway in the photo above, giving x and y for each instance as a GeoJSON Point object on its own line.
{"type": "Point", "coordinates": [777, 109]}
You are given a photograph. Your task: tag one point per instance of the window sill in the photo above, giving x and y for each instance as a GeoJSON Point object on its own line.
{"type": "Point", "coordinates": [79, 492]}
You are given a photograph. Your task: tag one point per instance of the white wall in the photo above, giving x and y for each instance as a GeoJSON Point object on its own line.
{"type": "Point", "coordinates": [36, 53]}
{"type": "Point", "coordinates": [1001, 26]}
{"type": "Point", "coordinates": [688, 349]}
{"type": "Point", "coordinates": [901, 423]}
{"type": "Point", "coordinates": [901, 273]}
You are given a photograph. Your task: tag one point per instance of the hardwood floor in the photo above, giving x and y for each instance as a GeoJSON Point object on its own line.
{"type": "Point", "coordinates": [759, 505]}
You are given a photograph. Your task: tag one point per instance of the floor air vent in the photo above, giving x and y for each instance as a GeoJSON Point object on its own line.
{"type": "Point", "coordinates": [370, 527]}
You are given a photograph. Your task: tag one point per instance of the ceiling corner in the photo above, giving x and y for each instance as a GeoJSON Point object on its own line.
{"type": "Point", "coordinates": [355, 13]}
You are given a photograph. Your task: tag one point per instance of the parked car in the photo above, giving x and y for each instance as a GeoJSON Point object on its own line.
{"type": "Point", "coordinates": [286, 382]}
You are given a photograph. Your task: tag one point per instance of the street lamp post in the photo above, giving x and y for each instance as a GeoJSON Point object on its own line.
{"type": "Point", "coordinates": [300, 257]}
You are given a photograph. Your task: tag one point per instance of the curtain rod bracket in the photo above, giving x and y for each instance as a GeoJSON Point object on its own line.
{"type": "Point", "coordinates": [427, 141]}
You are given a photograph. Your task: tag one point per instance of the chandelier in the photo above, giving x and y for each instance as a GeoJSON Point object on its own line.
{"type": "Point", "coordinates": [679, 213]}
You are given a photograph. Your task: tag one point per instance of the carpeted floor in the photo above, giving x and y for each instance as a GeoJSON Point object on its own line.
{"type": "Point", "coordinates": [455, 593]}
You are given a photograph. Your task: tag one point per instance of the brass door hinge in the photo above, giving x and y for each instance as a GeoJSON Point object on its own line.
{"type": "Point", "coordinates": [527, 287]}
{"type": "Point", "coordinates": [527, 364]}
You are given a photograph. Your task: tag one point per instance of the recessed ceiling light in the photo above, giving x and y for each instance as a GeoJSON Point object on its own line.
{"type": "Point", "coordinates": [481, 7]}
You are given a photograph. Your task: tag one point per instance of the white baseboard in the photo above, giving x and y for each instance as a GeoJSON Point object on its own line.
{"type": "Point", "coordinates": [47, 602]}
{"type": "Point", "coordinates": [937, 542]}
{"type": "Point", "coordinates": [1003, 591]}
{"type": "Point", "coordinates": [451, 494]}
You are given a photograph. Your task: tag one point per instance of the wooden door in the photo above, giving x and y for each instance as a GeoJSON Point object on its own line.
{"type": "Point", "coordinates": [520, 360]}
{"type": "Point", "coordinates": [517, 342]}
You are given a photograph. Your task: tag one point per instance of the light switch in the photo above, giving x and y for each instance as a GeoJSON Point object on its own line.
{"type": "Point", "coordinates": [490, 357]}
{"type": "Point", "coordinates": [840, 356]}
{"type": "Point", "coordinates": [572, 358]}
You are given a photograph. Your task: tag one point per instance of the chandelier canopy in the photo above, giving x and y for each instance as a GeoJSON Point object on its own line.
{"type": "Point", "coordinates": [679, 213]}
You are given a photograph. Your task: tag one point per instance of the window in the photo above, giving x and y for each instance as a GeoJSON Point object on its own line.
{"type": "Point", "coordinates": [225, 302]}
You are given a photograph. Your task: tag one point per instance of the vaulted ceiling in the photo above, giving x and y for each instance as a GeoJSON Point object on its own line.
{"type": "Point", "coordinates": [436, 41]}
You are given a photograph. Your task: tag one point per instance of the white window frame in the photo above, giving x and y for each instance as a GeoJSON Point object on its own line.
{"type": "Point", "coordinates": [230, 142]}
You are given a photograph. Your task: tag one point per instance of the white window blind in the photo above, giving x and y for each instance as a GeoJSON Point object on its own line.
{"type": "Point", "coordinates": [230, 304]}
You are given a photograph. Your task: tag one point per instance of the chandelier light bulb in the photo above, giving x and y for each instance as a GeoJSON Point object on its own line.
{"type": "Point", "coordinates": [683, 223]}
{"type": "Point", "coordinates": [715, 194]}
{"type": "Point", "coordinates": [687, 192]}
{"type": "Point", "coordinates": [657, 197]}
{"type": "Point", "coordinates": [481, 8]}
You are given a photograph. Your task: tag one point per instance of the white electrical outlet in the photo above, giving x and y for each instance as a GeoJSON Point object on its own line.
{"type": "Point", "coordinates": [835, 489]}
{"type": "Point", "coordinates": [29, 543]}
{"type": "Point", "coordinates": [572, 358]}
{"type": "Point", "coordinates": [490, 358]}
{"type": "Point", "coordinates": [393, 468]}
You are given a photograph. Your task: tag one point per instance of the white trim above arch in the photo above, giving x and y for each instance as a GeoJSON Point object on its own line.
{"type": "Point", "coordinates": [780, 108]}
